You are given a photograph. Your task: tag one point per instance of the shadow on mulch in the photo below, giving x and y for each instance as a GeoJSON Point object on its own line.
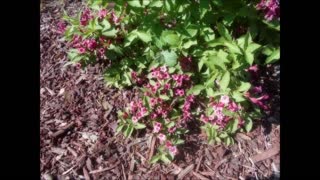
{"type": "Point", "coordinates": [272, 177]}
{"type": "Point", "coordinates": [192, 144]}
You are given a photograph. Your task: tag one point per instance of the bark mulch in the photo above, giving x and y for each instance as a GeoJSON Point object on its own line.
{"type": "Point", "coordinates": [78, 119]}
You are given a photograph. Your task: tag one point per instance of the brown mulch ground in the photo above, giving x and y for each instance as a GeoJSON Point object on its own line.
{"type": "Point", "coordinates": [78, 119]}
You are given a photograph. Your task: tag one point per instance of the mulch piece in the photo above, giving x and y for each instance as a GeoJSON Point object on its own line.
{"type": "Point", "coordinates": [78, 119]}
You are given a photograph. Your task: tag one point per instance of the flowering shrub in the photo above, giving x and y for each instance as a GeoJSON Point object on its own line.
{"type": "Point", "coordinates": [165, 108]}
{"type": "Point", "coordinates": [177, 52]}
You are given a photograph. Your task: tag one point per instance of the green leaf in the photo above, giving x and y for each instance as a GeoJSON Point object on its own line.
{"type": "Point", "coordinates": [220, 59]}
{"type": "Point", "coordinates": [192, 30]}
{"type": "Point", "coordinates": [238, 97]}
{"type": "Point", "coordinates": [178, 141]}
{"type": "Point", "coordinates": [275, 55]}
{"type": "Point", "coordinates": [110, 33]}
{"type": "Point", "coordinates": [189, 43]}
{"type": "Point", "coordinates": [156, 3]}
{"type": "Point", "coordinates": [164, 97]}
{"type": "Point", "coordinates": [139, 126]}
{"type": "Point", "coordinates": [169, 57]}
{"type": "Point", "coordinates": [232, 47]}
{"type": "Point", "coordinates": [223, 135]}
{"type": "Point", "coordinates": [210, 92]}
{"type": "Point", "coordinates": [225, 80]}
{"type": "Point", "coordinates": [228, 141]}
{"type": "Point", "coordinates": [208, 34]}
{"type": "Point", "coordinates": [253, 47]}
{"type": "Point", "coordinates": [145, 37]}
{"type": "Point", "coordinates": [232, 126]}
{"type": "Point", "coordinates": [196, 89]}
{"type": "Point", "coordinates": [248, 124]}
{"type": "Point", "coordinates": [171, 38]}
{"type": "Point", "coordinates": [130, 38]}
{"type": "Point", "coordinates": [201, 62]}
{"type": "Point", "coordinates": [119, 128]}
{"type": "Point", "coordinates": [244, 86]}
{"type": "Point", "coordinates": [249, 57]}
{"type": "Point", "coordinates": [165, 159]}
{"type": "Point", "coordinates": [106, 24]}
{"type": "Point", "coordinates": [170, 124]}
{"type": "Point", "coordinates": [155, 158]}
{"type": "Point", "coordinates": [134, 3]}
{"type": "Point", "coordinates": [224, 32]}
{"type": "Point", "coordinates": [128, 131]}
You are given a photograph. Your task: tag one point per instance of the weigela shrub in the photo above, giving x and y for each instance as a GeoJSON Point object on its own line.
{"type": "Point", "coordinates": [177, 52]}
{"type": "Point", "coordinates": [164, 108]}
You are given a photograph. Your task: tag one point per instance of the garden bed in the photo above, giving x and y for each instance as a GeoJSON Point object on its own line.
{"type": "Point", "coordinates": [78, 120]}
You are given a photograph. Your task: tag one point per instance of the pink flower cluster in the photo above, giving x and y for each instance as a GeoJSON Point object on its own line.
{"type": "Point", "coordinates": [88, 45]}
{"type": "Point", "coordinates": [102, 14]}
{"type": "Point", "coordinates": [271, 9]}
{"type": "Point", "coordinates": [172, 149]}
{"type": "Point", "coordinates": [160, 73]}
{"type": "Point", "coordinates": [218, 116]}
{"type": "Point", "coordinates": [137, 110]}
{"type": "Point", "coordinates": [186, 109]}
{"type": "Point", "coordinates": [138, 79]}
{"type": "Point", "coordinates": [180, 78]}
{"type": "Point", "coordinates": [258, 101]}
{"type": "Point", "coordinates": [85, 17]}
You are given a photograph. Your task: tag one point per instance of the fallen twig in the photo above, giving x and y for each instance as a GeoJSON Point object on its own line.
{"type": "Point", "coordinates": [105, 169]}
{"type": "Point", "coordinates": [199, 176]}
{"type": "Point", "coordinates": [185, 171]}
{"type": "Point", "coordinates": [266, 154]}
{"type": "Point", "coordinates": [63, 130]}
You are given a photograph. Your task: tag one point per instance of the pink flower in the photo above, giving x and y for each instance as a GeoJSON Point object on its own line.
{"type": "Point", "coordinates": [190, 98]}
{"type": "Point", "coordinates": [253, 68]}
{"type": "Point", "coordinates": [168, 144]}
{"type": "Point", "coordinates": [204, 119]}
{"type": "Point", "coordinates": [153, 101]}
{"type": "Point", "coordinates": [166, 76]}
{"type": "Point", "coordinates": [85, 17]}
{"type": "Point", "coordinates": [159, 110]}
{"type": "Point", "coordinates": [224, 99]}
{"type": "Point", "coordinates": [172, 129]}
{"type": "Point", "coordinates": [81, 50]}
{"type": "Point", "coordinates": [78, 65]}
{"type": "Point", "coordinates": [175, 77]}
{"type": "Point", "coordinates": [133, 74]}
{"type": "Point", "coordinates": [157, 85]}
{"type": "Point", "coordinates": [258, 101]}
{"type": "Point", "coordinates": [217, 109]}
{"type": "Point", "coordinates": [179, 92]}
{"type": "Point", "coordinates": [164, 113]}
{"type": "Point", "coordinates": [102, 13]}
{"type": "Point", "coordinates": [257, 89]}
{"type": "Point", "coordinates": [163, 69]}
{"type": "Point", "coordinates": [233, 107]}
{"type": "Point", "coordinates": [153, 115]}
{"type": "Point", "coordinates": [92, 44]}
{"type": "Point", "coordinates": [115, 19]}
{"type": "Point", "coordinates": [156, 127]}
{"type": "Point", "coordinates": [167, 86]}
{"type": "Point", "coordinates": [134, 119]}
{"type": "Point", "coordinates": [101, 52]}
{"type": "Point", "coordinates": [173, 150]}
{"type": "Point", "coordinates": [162, 137]}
